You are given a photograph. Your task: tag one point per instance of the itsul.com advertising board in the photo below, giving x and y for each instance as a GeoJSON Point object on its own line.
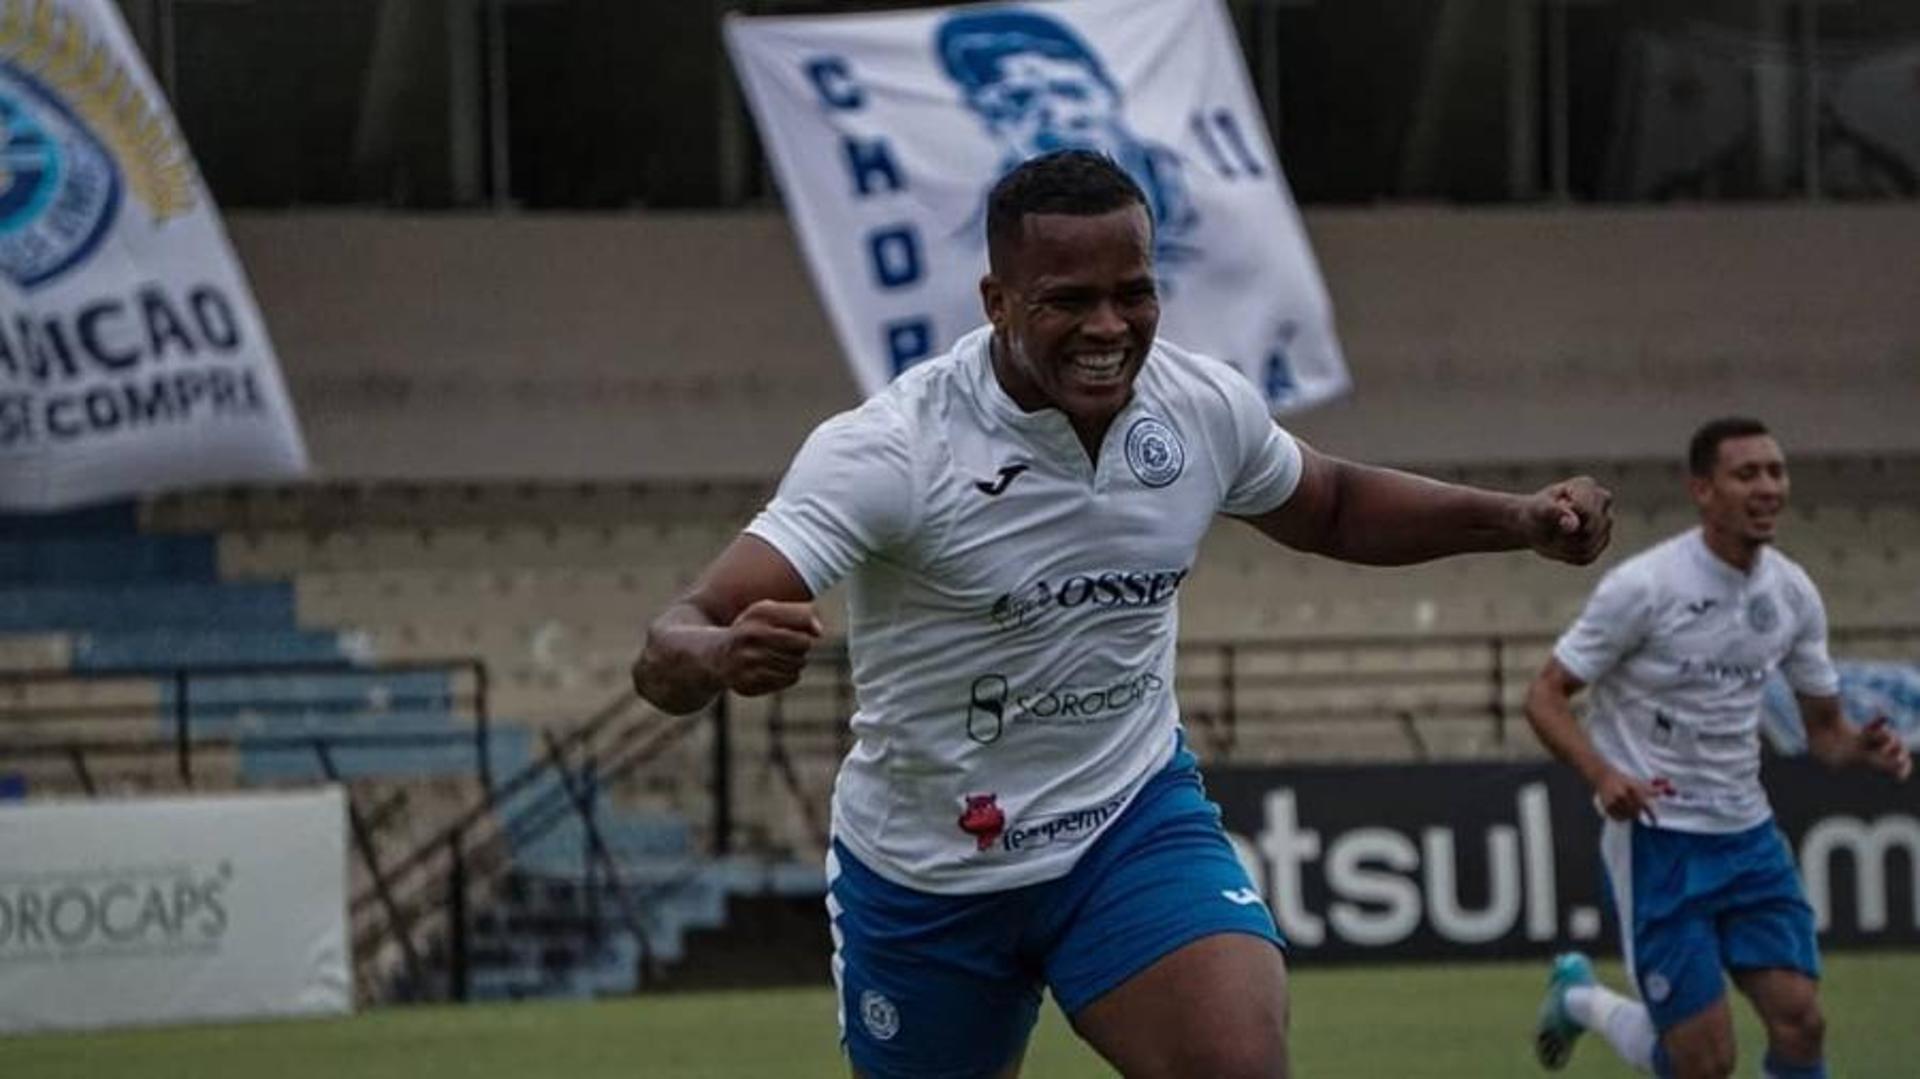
{"type": "Point", "coordinates": [1460, 861]}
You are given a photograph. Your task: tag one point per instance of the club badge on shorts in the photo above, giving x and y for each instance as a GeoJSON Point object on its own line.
{"type": "Point", "coordinates": [879, 1016]}
{"type": "Point", "coordinates": [1154, 452]}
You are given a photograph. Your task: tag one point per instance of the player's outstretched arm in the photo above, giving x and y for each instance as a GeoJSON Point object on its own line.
{"type": "Point", "coordinates": [1379, 516]}
{"type": "Point", "coordinates": [1837, 742]}
{"type": "Point", "coordinates": [745, 625]}
{"type": "Point", "coordinates": [1550, 714]}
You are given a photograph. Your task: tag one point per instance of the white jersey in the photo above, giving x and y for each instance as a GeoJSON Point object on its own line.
{"type": "Point", "coordinates": [1677, 645]}
{"type": "Point", "coordinates": [1011, 602]}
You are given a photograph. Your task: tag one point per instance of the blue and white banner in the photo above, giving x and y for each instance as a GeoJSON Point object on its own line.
{"type": "Point", "coordinates": [132, 356]}
{"type": "Point", "coordinates": [1869, 690]}
{"type": "Point", "coordinates": [887, 131]}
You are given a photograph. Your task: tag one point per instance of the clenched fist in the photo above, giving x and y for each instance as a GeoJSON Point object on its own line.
{"type": "Point", "coordinates": [767, 645]}
{"type": "Point", "coordinates": [1570, 521]}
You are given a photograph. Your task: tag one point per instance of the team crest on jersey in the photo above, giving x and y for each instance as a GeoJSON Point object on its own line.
{"type": "Point", "coordinates": [879, 1016]}
{"type": "Point", "coordinates": [76, 135]}
{"type": "Point", "coordinates": [1762, 615]}
{"type": "Point", "coordinates": [1154, 452]}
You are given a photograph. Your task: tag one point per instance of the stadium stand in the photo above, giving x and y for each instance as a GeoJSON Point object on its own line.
{"type": "Point", "coordinates": [134, 665]}
{"type": "Point", "coordinates": [547, 585]}
{"type": "Point", "coordinates": [533, 429]}
{"type": "Point", "coordinates": [541, 589]}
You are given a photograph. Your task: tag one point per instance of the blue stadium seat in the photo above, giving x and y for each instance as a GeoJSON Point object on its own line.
{"type": "Point", "coordinates": [35, 608]}
{"type": "Point", "coordinates": [107, 518]}
{"type": "Point", "coordinates": [275, 707]}
{"type": "Point", "coordinates": [108, 559]}
{"type": "Point", "coordinates": [145, 649]}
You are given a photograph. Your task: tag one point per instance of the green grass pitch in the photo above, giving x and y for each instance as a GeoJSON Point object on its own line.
{"type": "Point", "coordinates": [1366, 1023]}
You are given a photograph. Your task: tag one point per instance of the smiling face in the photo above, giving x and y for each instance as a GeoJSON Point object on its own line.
{"type": "Point", "coordinates": [1074, 309]}
{"type": "Point", "coordinates": [1741, 499]}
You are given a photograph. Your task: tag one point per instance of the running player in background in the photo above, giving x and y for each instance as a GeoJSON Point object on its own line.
{"type": "Point", "coordinates": [1677, 643]}
{"type": "Point", "coordinates": [1016, 519]}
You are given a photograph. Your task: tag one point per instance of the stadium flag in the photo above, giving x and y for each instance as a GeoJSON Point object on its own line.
{"type": "Point", "coordinates": [1869, 690]}
{"type": "Point", "coordinates": [132, 356]}
{"type": "Point", "coordinates": [886, 132]}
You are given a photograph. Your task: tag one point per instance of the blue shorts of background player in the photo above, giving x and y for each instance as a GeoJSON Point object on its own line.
{"type": "Point", "coordinates": [941, 987]}
{"type": "Point", "coordinates": [1693, 906]}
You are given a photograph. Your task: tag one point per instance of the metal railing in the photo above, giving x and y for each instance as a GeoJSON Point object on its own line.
{"type": "Point", "coordinates": [189, 704]}
{"type": "Point", "coordinates": [1232, 694]}
{"type": "Point", "coordinates": [412, 918]}
{"type": "Point", "coordinates": [425, 898]}
{"type": "Point", "coordinates": [414, 904]}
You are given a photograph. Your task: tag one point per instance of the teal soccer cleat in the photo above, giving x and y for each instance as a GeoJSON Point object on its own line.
{"type": "Point", "coordinates": [1555, 1032]}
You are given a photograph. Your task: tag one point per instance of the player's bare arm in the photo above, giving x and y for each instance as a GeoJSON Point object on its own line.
{"type": "Point", "coordinates": [746, 625]}
{"type": "Point", "coordinates": [1837, 742]}
{"type": "Point", "coordinates": [1550, 714]}
{"type": "Point", "coordinates": [1379, 516]}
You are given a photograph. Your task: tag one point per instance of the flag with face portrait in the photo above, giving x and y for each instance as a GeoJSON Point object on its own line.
{"type": "Point", "coordinates": [887, 131]}
{"type": "Point", "coordinates": [132, 356]}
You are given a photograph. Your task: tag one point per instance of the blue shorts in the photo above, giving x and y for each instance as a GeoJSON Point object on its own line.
{"type": "Point", "coordinates": [1694, 905]}
{"type": "Point", "coordinates": [935, 986]}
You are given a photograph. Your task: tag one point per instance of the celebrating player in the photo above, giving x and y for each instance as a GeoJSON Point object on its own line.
{"type": "Point", "coordinates": [1677, 643]}
{"type": "Point", "coordinates": [1016, 519]}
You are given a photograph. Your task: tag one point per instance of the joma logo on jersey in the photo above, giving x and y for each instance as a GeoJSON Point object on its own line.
{"type": "Point", "coordinates": [1100, 591]}
{"type": "Point", "coordinates": [997, 486]}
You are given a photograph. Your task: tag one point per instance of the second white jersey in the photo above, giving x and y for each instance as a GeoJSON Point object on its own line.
{"type": "Point", "coordinates": [1677, 646]}
{"type": "Point", "coordinates": [1011, 602]}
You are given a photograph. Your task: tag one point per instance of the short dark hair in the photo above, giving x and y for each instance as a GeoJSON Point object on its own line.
{"type": "Point", "coordinates": [1083, 183]}
{"type": "Point", "coordinates": [1704, 450]}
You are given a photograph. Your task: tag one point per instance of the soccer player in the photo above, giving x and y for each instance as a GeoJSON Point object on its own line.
{"type": "Point", "coordinates": [1016, 518]}
{"type": "Point", "coordinates": [1677, 643]}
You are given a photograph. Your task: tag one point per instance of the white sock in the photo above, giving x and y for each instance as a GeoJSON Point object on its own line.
{"type": "Point", "coordinates": [1622, 1021]}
